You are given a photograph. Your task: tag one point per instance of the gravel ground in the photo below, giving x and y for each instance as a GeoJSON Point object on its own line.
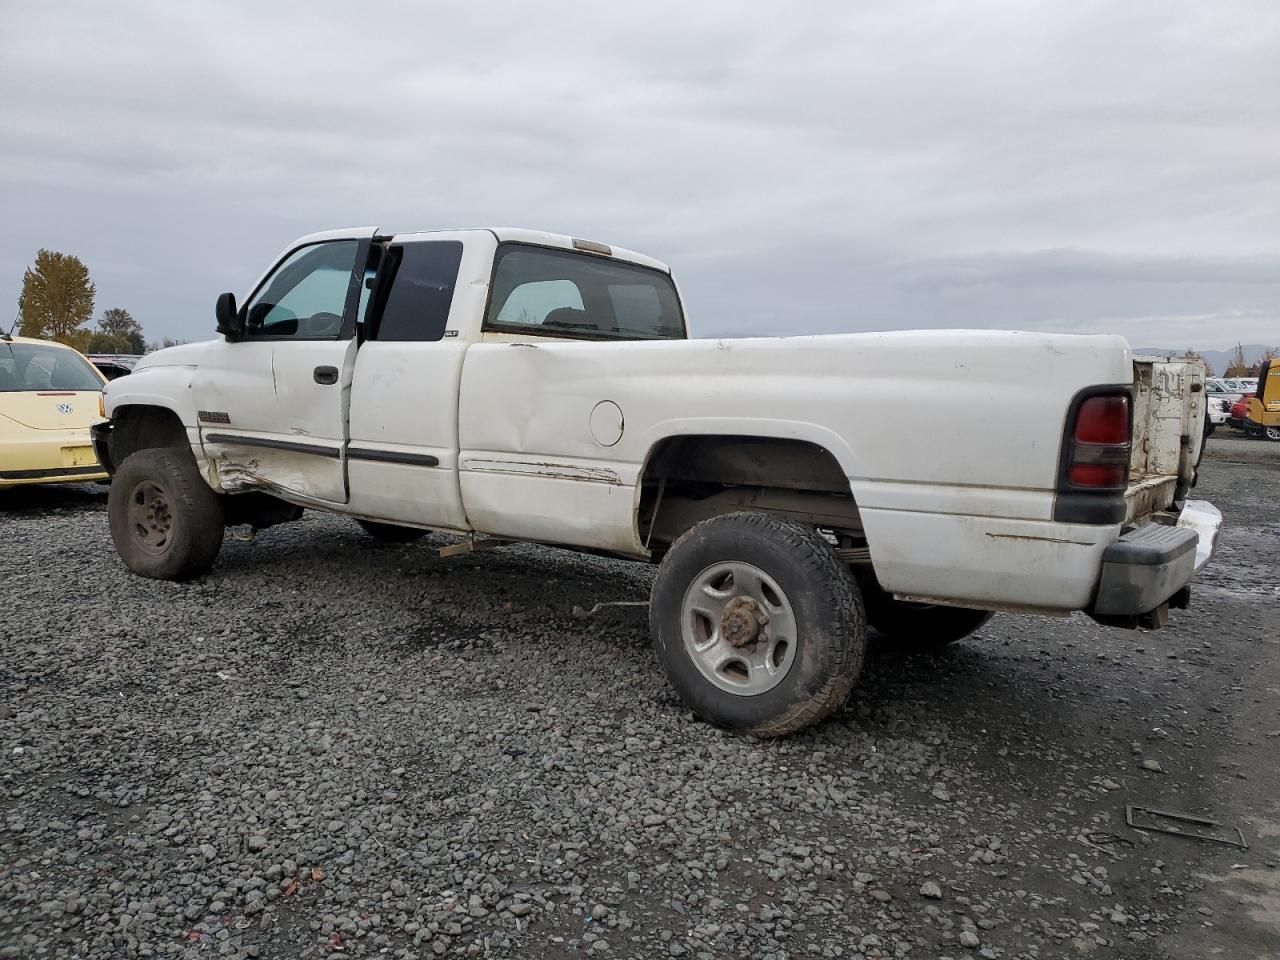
{"type": "Point", "coordinates": [330, 746]}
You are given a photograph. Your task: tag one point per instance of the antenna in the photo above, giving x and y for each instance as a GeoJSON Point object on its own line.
{"type": "Point", "coordinates": [8, 337]}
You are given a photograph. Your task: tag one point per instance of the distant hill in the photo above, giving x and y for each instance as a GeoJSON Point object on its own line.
{"type": "Point", "coordinates": [1218, 359]}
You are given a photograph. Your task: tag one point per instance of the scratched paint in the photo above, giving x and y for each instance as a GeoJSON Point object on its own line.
{"type": "Point", "coordinates": [544, 469]}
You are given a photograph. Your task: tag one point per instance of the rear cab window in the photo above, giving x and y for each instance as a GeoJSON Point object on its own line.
{"type": "Point", "coordinates": [543, 291]}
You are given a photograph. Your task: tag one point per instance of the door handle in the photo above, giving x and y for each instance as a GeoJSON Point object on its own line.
{"type": "Point", "coordinates": [326, 375]}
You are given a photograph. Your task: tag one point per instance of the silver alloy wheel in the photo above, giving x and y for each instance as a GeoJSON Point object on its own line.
{"type": "Point", "coordinates": [738, 627]}
{"type": "Point", "coordinates": [1273, 433]}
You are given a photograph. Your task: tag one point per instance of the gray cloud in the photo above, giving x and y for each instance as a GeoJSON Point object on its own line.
{"type": "Point", "coordinates": [1087, 166]}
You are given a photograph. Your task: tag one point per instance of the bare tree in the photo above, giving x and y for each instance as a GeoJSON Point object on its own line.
{"type": "Point", "coordinates": [1239, 366]}
{"type": "Point", "coordinates": [1195, 355]}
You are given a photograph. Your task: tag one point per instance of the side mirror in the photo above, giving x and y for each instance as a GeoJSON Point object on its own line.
{"type": "Point", "coordinates": [230, 323]}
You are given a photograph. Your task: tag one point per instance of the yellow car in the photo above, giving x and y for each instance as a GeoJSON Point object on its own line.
{"type": "Point", "coordinates": [49, 395]}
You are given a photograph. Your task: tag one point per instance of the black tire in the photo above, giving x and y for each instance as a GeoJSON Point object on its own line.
{"type": "Point", "coordinates": [390, 532]}
{"type": "Point", "coordinates": [829, 620]}
{"type": "Point", "coordinates": [166, 522]}
{"type": "Point", "coordinates": [917, 627]}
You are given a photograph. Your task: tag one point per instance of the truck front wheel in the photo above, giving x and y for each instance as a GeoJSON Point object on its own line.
{"type": "Point", "coordinates": [757, 623]}
{"type": "Point", "coordinates": [166, 522]}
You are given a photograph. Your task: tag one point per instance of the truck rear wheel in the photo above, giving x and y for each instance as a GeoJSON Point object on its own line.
{"type": "Point", "coordinates": [166, 522]}
{"type": "Point", "coordinates": [757, 623]}
{"type": "Point", "coordinates": [918, 627]}
{"type": "Point", "coordinates": [390, 532]}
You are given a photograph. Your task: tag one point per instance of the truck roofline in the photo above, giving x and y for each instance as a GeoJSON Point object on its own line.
{"type": "Point", "coordinates": [541, 238]}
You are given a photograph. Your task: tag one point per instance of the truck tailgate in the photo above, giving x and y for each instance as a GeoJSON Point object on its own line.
{"type": "Point", "coordinates": [1168, 432]}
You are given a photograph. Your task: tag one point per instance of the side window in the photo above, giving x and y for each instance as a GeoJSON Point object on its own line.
{"type": "Point", "coordinates": [306, 295]}
{"type": "Point", "coordinates": [559, 293]}
{"type": "Point", "coordinates": [417, 302]}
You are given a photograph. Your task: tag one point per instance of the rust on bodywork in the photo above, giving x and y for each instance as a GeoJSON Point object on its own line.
{"type": "Point", "coordinates": [1027, 539]}
{"type": "Point", "coordinates": [558, 471]}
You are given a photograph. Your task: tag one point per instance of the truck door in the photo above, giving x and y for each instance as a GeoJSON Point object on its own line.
{"type": "Point", "coordinates": [403, 450]}
{"type": "Point", "coordinates": [273, 406]}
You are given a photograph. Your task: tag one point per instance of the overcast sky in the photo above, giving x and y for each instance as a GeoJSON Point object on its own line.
{"type": "Point", "coordinates": [1081, 166]}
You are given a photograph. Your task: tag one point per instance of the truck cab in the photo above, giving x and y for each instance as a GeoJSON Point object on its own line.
{"type": "Point", "coordinates": [338, 381]}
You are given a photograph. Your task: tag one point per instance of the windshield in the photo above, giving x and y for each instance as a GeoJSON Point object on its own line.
{"type": "Point", "coordinates": [39, 366]}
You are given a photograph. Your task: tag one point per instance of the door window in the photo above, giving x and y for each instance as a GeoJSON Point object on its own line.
{"type": "Point", "coordinates": [555, 293]}
{"type": "Point", "coordinates": [305, 297]}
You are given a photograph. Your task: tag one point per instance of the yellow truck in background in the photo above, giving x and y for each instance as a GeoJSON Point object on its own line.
{"type": "Point", "coordinates": [1262, 410]}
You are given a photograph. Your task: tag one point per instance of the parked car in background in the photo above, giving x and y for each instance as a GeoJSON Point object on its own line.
{"type": "Point", "coordinates": [49, 397]}
{"type": "Point", "coordinates": [114, 365]}
{"type": "Point", "coordinates": [1217, 387]}
{"type": "Point", "coordinates": [1236, 417]}
{"type": "Point", "coordinates": [1217, 410]}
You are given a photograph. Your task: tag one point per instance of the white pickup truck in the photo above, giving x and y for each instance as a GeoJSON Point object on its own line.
{"type": "Point", "coordinates": [512, 385]}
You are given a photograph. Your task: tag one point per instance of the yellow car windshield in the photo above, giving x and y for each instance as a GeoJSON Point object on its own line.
{"type": "Point", "coordinates": [35, 366]}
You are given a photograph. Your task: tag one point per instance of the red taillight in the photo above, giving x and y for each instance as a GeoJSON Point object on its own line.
{"type": "Point", "coordinates": [1098, 458]}
{"type": "Point", "coordinates": [1103, 420]}
{"type": "Point", "coordinates": [1097, 475]}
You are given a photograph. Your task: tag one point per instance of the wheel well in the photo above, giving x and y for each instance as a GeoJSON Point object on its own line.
{"type": "Point", "coordinates": [689, 479]}
{"type": "Point", "coordinates": [142, 428]}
